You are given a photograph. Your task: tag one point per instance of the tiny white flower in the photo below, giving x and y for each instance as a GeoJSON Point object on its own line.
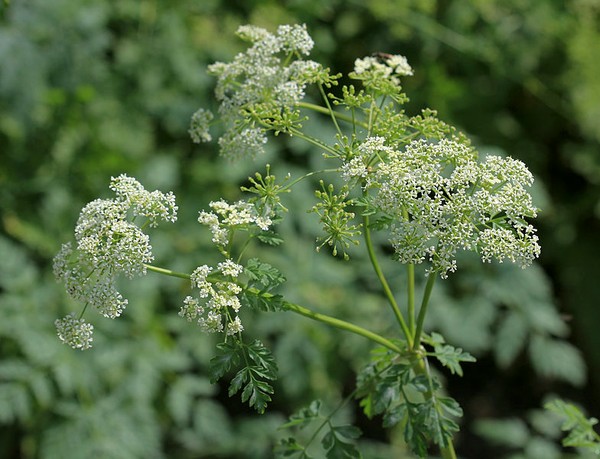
{"type": "Point", "coordinates": [235, 327]}
{"type": "Point", "coordinates": [230, 268]}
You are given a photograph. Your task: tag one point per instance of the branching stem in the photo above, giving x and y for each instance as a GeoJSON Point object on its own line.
{"type": "Point", "coordinates": [332, 321]}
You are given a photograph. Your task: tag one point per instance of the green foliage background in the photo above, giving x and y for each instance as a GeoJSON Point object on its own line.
{"type": "Point", "coordinates": [95, 88]}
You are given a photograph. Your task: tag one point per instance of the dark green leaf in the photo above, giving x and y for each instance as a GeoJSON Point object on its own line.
{"type": "Point", "coordinates": [221, 363]}
{"type": "Point", "coordinates": [236, 383]}
{"type": "Point", "coordinates": [264, 360]}
{"type": "Point", "coordinates": [257, 394]}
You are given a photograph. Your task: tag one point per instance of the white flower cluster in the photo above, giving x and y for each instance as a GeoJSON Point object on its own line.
{"type": "Point", "coordinates": [108, 244]}
{"type": "Point", "coordinates": [218, 312]}
{"type": "Point", "coordinates": [441, 200]}
{"type": "Point", "coordinates": [383, 67]}
{"type": "Point", "coordinates": [226, 217]}
{"type": "Point", "coordinates": [356, 167]}
{"type": "Point", "coordinates": [258, 80]}
{"type": "Point", "coordinates": [75, 332]}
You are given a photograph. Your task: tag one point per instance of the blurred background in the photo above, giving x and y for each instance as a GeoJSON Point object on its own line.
{"type": "Point", "coordinates": [95, 88]}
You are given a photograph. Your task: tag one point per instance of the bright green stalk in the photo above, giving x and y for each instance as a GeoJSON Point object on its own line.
{"type": "Point", "coordinates": [423, 311]}
{"type": "Point", "coordinates": [410, 289]}
{"type": "Point", "coordinates": [448, 451]}
{"type": "Point", "coordinates": [386, 288]}
{"type": "Point", "coordinates": [167, 272]}
{"type": "Point", "coordinates": [331, 112]}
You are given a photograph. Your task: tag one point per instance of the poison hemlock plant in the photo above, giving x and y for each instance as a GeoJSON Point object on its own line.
{"type": "Point", "coordinates": [415, 179]}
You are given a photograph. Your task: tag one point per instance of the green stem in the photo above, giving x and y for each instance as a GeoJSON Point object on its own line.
{"type": "Point", "coordinates": [342, 324]}
{"type": "Point", "coordinates": [329, 109]}
{"type": "Point", "coordinates": [410, 274]}
{"type": "Point", "coordinates": [423, 311]}
{"type": "Point", "coordinates": [325, 111]}
{"type": "Point", "coordinates": [167, 272]}
{"type": "Point", "coordinates": [386, 288]}
{"type": "Point", "coordinates": [448, 451]}
{"type": "Point", "coordinates": [293, 182]}
{"type": "Point", "coordinates": [314, 141]}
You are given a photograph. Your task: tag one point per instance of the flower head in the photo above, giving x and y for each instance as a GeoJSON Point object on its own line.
{"type": "Point", "coordinates": [108, 244]}
{"type": "Point", "coordinates": [75, 332]}
{"type": "Point", "coordinates": [441, 199]}
{"type": "Point", "coordinates": [259, 90]}
{"type": "Point", "coordinates": [225, 218]}
{"type": "Point", "coordinates": [220, 302]}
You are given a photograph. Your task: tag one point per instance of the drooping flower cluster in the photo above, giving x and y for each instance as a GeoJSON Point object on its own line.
{"type": "Point", "coordinates": [225, 218]}
{"type": "Point", "coordinates": [75, 332]}
{"type": "Point", "coordinates": [109, 244]}
{"type": "Point", "coordinates": [441, 199]}
{"type": "Point", "coordinates": [260, 88]}
{"type": "Point", "coordinates": [218, 310]}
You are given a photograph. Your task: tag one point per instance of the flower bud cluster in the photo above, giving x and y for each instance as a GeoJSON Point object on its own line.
{"type": "Point", "coordinates": [440, 199]}
{"type": "Point", "coordinates": [218, 310]}
{"type": "Point", "coordinates": [108, 244]}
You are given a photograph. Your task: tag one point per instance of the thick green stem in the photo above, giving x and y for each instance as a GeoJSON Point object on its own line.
{"type": "Point", "coordinates": [448, 452]}
{"type": "Point", "coordinates": [423, 311]}
{"type": "Point", "coordinates": [386, 288]}
{"type": "Point", "coordinates": [410, 289]}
